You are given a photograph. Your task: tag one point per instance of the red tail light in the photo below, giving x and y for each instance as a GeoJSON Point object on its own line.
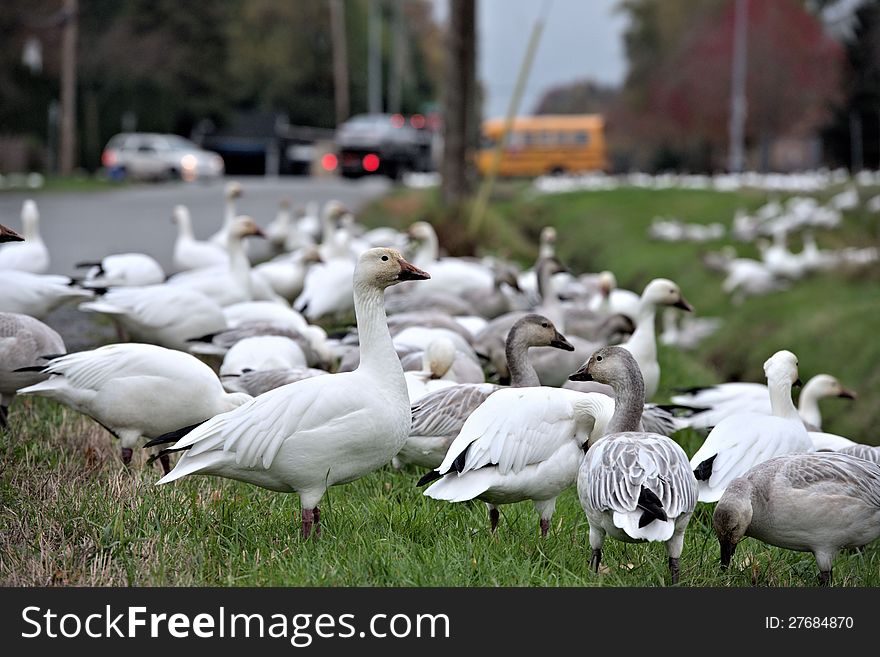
{"type": "Point", "coordinates": [108, 158]}
{"type": "Point", "coordinates": [371, 162]}
{"type": "Point", "coordinates": [329, 162]}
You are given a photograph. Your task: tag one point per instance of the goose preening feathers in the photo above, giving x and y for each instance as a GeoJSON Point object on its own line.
{"type": "Point", "coordinates": [136, 390]}
{"type": "Point", "coordinates": [743, 440]}
{"type": "Point", "coordinates": [24, 342]}
{"type": "Point", "coordinates": [634, 486]}
{"type": "Point", "coordinates": [815, 503]}
{"type": "Point", "coordinates": [29, 254]}
{"type": "Point", "coordinates": [322, 431]}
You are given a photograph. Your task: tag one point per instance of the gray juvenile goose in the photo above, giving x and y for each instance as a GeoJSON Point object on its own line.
{"type": "Point", "coordinates": [633, 485]}
{"type": "Point", "coordinates": [819, 502]}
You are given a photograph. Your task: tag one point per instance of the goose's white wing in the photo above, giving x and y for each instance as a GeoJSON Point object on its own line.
{"type": "Point", "coordinates": [616, 468]}
{"type": "Point", "coordinates": [155, 306]}
{"type": "Point", "coordinates": [256, 430]}
{"type": "Point", "coordinates": [444, 412]}
{"type": "Point", "coordinates": [740, 442]}
{"type": "Point", "coordinates": [513, 428]}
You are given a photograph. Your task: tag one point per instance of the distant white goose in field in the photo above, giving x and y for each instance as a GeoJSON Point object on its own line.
{"type": "Point", "coordinates": [642, 344]}
{"type": "Point", "coordinates": [327, 289]}
{"type": "Point", "coordinates": [743, 440]}
{"type": "Point", "coordinates": [123, 270]}
{"type": "Point", "coordinates": [613, 300]}
{"type": "Point", "coordinates": [9, 235]}
{"type": "Point", "coordinates": [36, 294]}
{"type": "Point", "coordinates": [287, 273]}
{"type": "Point", "coordinates": [249, 312]}
{"type": "Point", "coordinates": [322, 431]}
{"type": "Point", "coordinates": [452, 275]}
{"type": "Point", "coordinates": [225, 284]}
{"type": "Point", "coordinates": [634, 486]}
{"type": "Point", "coordinates": [714, 403]}
{"type": "Point", "coordinates": [190, 253]}
{"type": "Point", "coordinates": [817, 503]}
{"type": "Point", "coordinates": [31, 255]}
{"type": "Point", "coordinates": [24, 342]}
{"type": "Point", "coordinates": [437, 360]}
{"type": "Point", "coordinates": [166, 315]}
{"type": "Point", "coordinates": [867, 452]}
{"type": "Point", "coordinates": [312, 340]}
{"type": "Point", "coordinates": [136, 390]}
{"type": "Point", "coordinates": [231, 192]}
{"type": "Point", "coordinates": [520, 444]}
{"type": "Point", "coordinates": [278, 230]}
{"type": "Point", "coordinates": [438, 417]}
{"type": "Point", "coordinates": [310, 222]}
{"type": "Point", "coordinates": [262, 352]}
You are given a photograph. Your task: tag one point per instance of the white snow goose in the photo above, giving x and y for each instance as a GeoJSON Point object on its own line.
{"type": "Point", "coordinates": [136, 390]}
{"type": "Point", "coordinates": [743, 440]}
{"type": "Point", "coordinates": [31, 255]}
{"type": "Point", "coordinates": [231, 192]}
{"type": "Point", "coordinates": [122, 270]}
{"type": "Point", "coordinates": [634, 486]}
{"type": "Point", "coordinates": [322, 431]}
{"type": "Point", "coordinates": [190, 253]}
{"type": "Point", "coordinates": [36, 294]}
{"type": "Point", "coordinates": [815, 503]}
{"type": "Point", "coordinates": [24, 341]}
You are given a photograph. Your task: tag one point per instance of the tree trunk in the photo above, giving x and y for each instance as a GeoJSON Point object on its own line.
{"type": "Point", "coordinates": [340, 60]}
{"type": "Point", "coordinates": [459, 113]}
{"type": "Point", "coordinates": [68, 88]}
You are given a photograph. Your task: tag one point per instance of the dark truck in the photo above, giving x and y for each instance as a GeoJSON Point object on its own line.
{"type": "Point", "coordinates": [386, 144]}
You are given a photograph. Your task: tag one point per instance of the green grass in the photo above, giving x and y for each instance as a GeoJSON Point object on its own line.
{"type": "Point", "coordinates": [70, 514]}
{"type": "Point", "coordinates": [76, 183]}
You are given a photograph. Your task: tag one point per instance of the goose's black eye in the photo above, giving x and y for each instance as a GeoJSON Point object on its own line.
{"type": "Point", "coordinates": [384, 257]}
{"type": "Point", "coordinates": [545, 325]}
{"type": "Point", "coordinates": [598, 359]}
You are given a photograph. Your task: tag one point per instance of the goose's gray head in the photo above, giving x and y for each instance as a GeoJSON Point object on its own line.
{"type": "Point", "coordinates": [825, 385]}
{"type": "Point", "coordinates": [610, 365]}
{"type": "Point", "coordinates": [782, 368]}
{"type": "Point", "coordinates": [420, 231]}
{"type": "Point", "coordinates": [245, 226]}
{"type": "Point", "coordinates": [538, 331]}
{"type": "Point", "coordinates": [386, 267]}
{"type": "Point", "coordinates": [732, 517]}
{"type": "Point", "coordinates": [663, 292]}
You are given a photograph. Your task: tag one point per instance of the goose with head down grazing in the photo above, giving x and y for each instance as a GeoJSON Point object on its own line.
{"type": "Point", "coordinates": [24, 341]}
{"type": "Point", "coordinates": [9, 235]}
{"type": "Point", "coordinates": [322, 431]}
{"type": "Point", "coordinates": [815, 503]}
{"type": "Point", "coordinates": [634, 486]}
{"type": "Point", "coordinates": [31, 255]}
{"type": "Point", "coordinates": [136, 390]}
{"type": "Point", "coordinates": [743, 440]}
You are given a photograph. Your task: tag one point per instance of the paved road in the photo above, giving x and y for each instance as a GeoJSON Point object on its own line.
{"type": "Point", "coordinates": [83, 226]}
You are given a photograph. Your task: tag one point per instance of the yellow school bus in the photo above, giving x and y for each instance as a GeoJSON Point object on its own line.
{"type": "Point", "coordinates": [538, 145]}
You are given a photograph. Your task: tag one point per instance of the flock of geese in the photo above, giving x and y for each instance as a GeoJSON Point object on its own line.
{"type": "Point", "coordinates": [223, 366]}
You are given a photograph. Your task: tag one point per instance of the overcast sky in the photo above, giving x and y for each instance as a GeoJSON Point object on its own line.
{"type": "Point", "coordinates": [581, 39]}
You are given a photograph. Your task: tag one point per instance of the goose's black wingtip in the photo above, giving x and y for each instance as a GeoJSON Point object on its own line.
{"type": "Point", "coordinates": [171, 436]}
{"type": "Point", "coordinates": [32, 368]}
{"type": "Point", "coordinates": [651, 506]}
{"type": "Point", "coordinates": [703, 471]}
{"type": "Point", "coordinates": [428, 477]}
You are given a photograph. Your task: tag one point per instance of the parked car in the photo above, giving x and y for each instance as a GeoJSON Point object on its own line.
{"type": "Point", "coordinates": [154, 156]}
{"type": "Point", "coordinates": [386, 144]}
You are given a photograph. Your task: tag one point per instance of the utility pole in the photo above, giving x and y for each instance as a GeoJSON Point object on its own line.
{"type": "Point", "coordinates": [340, 60]}
{"type": "Point", "coordinates": [374, 58]}
{"type": "Point", "coordinates": [398, 57]}
{"type": "Point", "coordinates": [738, 110]}
{"type": "Point", "coordinates": [68, 88]}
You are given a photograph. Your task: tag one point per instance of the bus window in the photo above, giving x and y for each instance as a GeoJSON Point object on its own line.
{"type": "Point", "coordinates": [581, 138]}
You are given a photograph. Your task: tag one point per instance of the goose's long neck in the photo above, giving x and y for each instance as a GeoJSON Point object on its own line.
{"type": "Point", "coordinates": [239, 265]}
{"type": "Point", "coordinates": [229, 214]}
{"type": "Point", "coordinates": [184, 227]}
{"type": "Point", "coordinates": [522, 372]}
{"type": "Point", "coordinates": [31, 228]}
{"type": "Point", "coordinates": [328, 228]}
{"type": "Point", "coordinates": [629, 402]}
{"type": "Point", "coordinates": [643, 342]}
{"type": "Point", "coordinates": [377, 349]}
{"type": "Point", "coordinates": [428, 252]}
{"type": "Point", "coordinates": [808, 405]}
{"type": "Point", "coordinates": [780, 399]}
{"type": "Point", "coordinates": [550, 305]}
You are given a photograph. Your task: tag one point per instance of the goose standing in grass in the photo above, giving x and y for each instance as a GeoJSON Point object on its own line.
{"type": "Point", "coordinates": [166, 315]}
{"type": "Point", "coordinates": [743, 440]}
{"type": "Point", "coordinates": [232, 192]}
{"type": "Point", "coordinates": [136, 390]}
{"type": "Point", "coordinates": [24, 341]}
{"type": "Point", "coordinates": [36, 294]}
{"type": "Point", "coordinates": [9, 235]}
{"type": "Point", "coordinates": [713, 403]}
{"type": "Point", "coordinates": [322, 431]}
{"type": "Point", "coordinates": [634, 486]}
{"type": "Point", "coordinates": [815, 503]}
{"type": "Point", "coordinates": [122, 270]}
{"type": "Point", "coordinates": [437, 418]}
{"type": "Point", "coordinates": [190, 253]}
{"type": "Point", "coordinates": [32, 255]}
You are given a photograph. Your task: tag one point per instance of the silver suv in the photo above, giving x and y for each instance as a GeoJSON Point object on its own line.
{"type": "Point", "coordinates": [154, 156]}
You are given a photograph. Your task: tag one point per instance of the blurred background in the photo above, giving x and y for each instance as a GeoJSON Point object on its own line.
{"type": "Point", "coordinates": [690, 85]}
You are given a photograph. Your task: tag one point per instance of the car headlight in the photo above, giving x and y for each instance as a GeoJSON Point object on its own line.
{"type": "Point", "coordinates": [189, 162]}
